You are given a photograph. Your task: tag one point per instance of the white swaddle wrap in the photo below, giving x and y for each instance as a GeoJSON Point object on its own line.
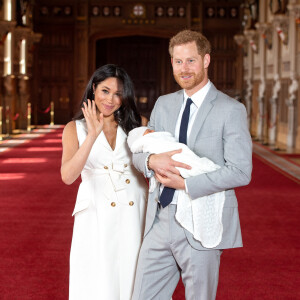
{"type": "Point", "coordinates": [202, 216]}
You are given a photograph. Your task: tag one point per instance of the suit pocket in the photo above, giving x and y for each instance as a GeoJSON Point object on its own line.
{"type": "Point", "coordinates": [80, 205]}
{"type": "Point", "coordinates": [83, 196]}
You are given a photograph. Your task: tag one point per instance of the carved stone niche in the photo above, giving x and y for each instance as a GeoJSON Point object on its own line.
{"type": "Point", "coordinates": [250, 14]}
{"type": "Point", "coordinates": [252, 38]}
{"type": "Point", "coordinates": [294, 11]}
{"type": "Point", "coordinates": [281, 25]}
{"type": "Point", "coordinates": [278, 6]}
{"type": "Point", "coordinates": [241, 42]}
{"type": "Point", "coordinates": [240, 39]}
{"type": "Point", "coordinates": [265, 30]}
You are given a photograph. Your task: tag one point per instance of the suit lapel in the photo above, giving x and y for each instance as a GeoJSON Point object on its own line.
{"type": "Point", "coordinates": [174, 109]}
{"type": "Point", "coordinates": [121, 137]}
{"type": "Point", "coordinates": [202, 113]}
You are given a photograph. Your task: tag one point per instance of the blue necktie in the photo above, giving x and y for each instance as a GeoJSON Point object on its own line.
{"type": "Point", "coordinates": [168, 193]}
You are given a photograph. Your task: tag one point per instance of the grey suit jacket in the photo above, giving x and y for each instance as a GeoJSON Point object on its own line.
{"type": "Point", "coordinates": [219, 133]}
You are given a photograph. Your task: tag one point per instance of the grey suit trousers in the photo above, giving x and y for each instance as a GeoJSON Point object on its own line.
{"type": "Point", "coordinates": [166, 254]}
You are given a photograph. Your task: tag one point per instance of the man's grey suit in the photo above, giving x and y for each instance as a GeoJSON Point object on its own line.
{"type": "Point", "coordinates": [219, 133]}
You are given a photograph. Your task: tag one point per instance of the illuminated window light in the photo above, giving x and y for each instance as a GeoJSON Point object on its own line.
{"type": "Point", "coordinates": [8, 10]}
{"type": "Point", "coordinates": [23, 57]}
{"type": "Point", "coordinates": [7, 55]}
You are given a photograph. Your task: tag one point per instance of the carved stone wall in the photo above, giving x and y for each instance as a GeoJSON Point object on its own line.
{"type": "Point", "coordinates": [274, 45]}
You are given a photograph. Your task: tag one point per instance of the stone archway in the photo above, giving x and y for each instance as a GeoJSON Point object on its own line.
{"type": "Point", "coordinates": [146, 59]}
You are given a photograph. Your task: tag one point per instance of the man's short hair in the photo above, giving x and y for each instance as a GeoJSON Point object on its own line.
{"type": "Point", "coordinates": [189, 36]}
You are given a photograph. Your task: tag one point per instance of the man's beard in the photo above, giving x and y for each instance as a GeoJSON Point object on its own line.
{"type": "Point", "coordinates": [190, 83]}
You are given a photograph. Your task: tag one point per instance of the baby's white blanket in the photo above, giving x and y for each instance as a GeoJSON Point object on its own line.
{"type": "Point", "coordinates": [202, 216]}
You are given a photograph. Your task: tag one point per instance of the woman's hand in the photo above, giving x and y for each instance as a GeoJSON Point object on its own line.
{"type": "Point", "coordinates": [94, 124]}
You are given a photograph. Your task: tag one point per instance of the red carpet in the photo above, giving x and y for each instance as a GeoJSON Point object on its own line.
{"type": "Point", "coordinates": [36, 223]}
{"type": "Point", "coordinates": [36, 230]}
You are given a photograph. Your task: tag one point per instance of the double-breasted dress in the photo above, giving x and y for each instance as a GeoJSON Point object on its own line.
{"type": "Point", "coordinates": [109, 221]}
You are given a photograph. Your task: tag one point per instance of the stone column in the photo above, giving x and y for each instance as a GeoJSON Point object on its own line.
{"type": "Point", "coordinates": [293, 88]}
{"type": "Point", "coordinates": [248, 98]}
{"type": "Point", "coordinates": [24, 98]}
{"type": "Point", "coordinates": [9, 97]}
{"type": "Point", "coordinates": [241, 42]}
{"type": "Point", "coordinates": [261, 109]}
{"type": "Point", "coordinates": [22, 89]}
{"type": "Point", "coordinates": [262, 29]}
{"type": "Point", "coordinates": [273, 115]}
{"type": "Point", "coordinates": [276, 88]}
{"type": "Point", "coordinates": [9, 92]}
{"type": "Point", "coordinates": [5, 27]}
{"type": "Point", "coordinates": [251, 37]}
{"type": "Point", "coordinates": [81, 53]}
{"type": "Point", "coordinates": [32, 41]}
{"type": "Point", "coordinates": [294, 12]}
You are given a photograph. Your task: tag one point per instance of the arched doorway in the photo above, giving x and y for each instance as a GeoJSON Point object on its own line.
{"type": "Point", "coordinates": [147, 61]}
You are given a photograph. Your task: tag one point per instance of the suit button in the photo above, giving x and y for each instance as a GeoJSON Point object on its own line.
{"type": "Point", "coordinates": [113, 204]}
{"type": "Point", "coordinates": [127, 181]}
{"type": "Point", "coordinates": [105, 167]}
{"type": "Point", "coordinates": [131, 203]}
{"type": "Point", "coordinates": [125, 165]}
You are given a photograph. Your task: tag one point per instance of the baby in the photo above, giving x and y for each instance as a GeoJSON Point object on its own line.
{"type": "Point", "coordinates": [201, 216]}
{"type": "Point", "coordinates": [143, 139]}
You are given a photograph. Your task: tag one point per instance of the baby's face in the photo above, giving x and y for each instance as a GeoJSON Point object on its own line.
{"type": "Point", "coordinates": [148, 131]}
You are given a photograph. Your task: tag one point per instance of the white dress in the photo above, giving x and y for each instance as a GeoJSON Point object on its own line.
{"type": "Point", "coordinates": [109, 222]}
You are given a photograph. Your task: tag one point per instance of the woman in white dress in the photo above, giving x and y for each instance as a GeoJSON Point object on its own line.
{"type": "Point", "coordinates": [111, 201]}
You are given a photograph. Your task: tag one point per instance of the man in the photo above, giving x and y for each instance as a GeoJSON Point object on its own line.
{"type": "Point", "coordinates": [213, 125]}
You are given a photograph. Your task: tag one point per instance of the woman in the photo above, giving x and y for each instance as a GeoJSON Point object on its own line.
{"type": "Point", "coordinates": [111, 201]}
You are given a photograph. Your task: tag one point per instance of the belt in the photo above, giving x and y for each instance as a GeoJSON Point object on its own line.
{"type": "Point", "coordinates": [116, 172]}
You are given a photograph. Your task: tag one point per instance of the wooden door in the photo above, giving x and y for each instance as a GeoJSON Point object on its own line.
{"type": "Point", "coordinates": [53, 81]}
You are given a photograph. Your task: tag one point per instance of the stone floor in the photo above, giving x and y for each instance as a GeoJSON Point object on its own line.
{"type": "Point", "coordinates": [288, 163]}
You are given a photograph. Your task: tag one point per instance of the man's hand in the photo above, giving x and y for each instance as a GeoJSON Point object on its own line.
{"type": "Point", "coordinates": [170, 180]}
{"type": "Point", "coordinates": [162, 163]}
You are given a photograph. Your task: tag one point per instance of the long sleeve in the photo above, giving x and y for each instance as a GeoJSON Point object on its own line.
{"type": "Point", "coordinates": [237, 156]}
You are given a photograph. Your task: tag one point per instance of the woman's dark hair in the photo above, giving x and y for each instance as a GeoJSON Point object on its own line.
{"type": "Point", "coordinates": [127, 115]}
